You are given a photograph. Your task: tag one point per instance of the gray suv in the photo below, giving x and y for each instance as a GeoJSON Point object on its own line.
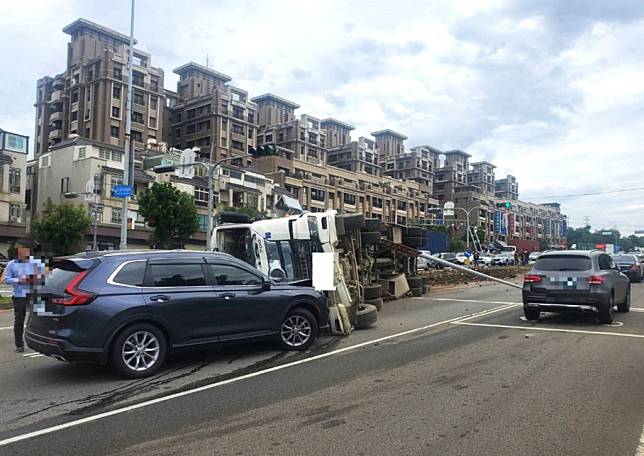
{"type": "Point", "coordinates": [131, 308]}
{"type": "Point", "coordinates": [577, 281]}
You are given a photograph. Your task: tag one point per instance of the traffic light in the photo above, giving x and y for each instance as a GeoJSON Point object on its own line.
{"type": "Point", "coordinates": [267, 150]}
{"type": "Point", "coordinates": [505, 205]}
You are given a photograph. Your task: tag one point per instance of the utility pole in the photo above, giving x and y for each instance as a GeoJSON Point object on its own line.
{"type": "Point", "coordinates": [128, 130]}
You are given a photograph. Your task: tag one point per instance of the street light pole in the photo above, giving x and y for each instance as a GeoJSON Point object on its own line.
{"type": "Point", "coordinates": [95, 229]}
{"type": "Point", "coordinates": [467, 221]}
{"type": "Point", "coordinates": [128, 131]}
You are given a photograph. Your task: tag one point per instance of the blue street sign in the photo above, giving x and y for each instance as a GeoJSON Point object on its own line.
{"type": "Point", "coordinates": [121, 191]}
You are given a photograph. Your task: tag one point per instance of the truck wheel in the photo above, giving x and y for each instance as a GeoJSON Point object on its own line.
{"type": "Point", "coordinates": [424, 289]}
{"type": "Point", "coordinates": [372, 224]}
{"type": "Point", "coordinates": [366, 316]}
{"type": "Point", "coordinates": [415, 281]}
{"type": "Point", "coordinates": [138, 351]}
{"type": "Point", "coordinates": [417, 292]}
{"type": "Point", "coordinates": [413, 241]}
{"type": "Point", "coordinates": [372, 291]}
{"type": "Point", "coordinates": [626, 305]}
{"type": "Point", "coordinates": [531, 314]}
{"type": "Point", "coordinates": [377, 303]}
{"type": "Point", "coordinates": [352, 222]}
{"type": "Point", "coordinates": [370, 237]}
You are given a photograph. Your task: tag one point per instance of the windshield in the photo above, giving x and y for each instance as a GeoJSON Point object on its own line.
{"type": "Point", "coordinates": [624, 259]}
{"type": "Point", "coordinates": [563, 263]}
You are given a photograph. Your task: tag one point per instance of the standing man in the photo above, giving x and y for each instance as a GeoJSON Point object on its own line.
{"type": "Point", "coordinates": [22, 273]}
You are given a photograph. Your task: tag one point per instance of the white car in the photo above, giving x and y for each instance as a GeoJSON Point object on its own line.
{"type": "Point", "coordinates": [532, 258]}
{"type": "Point", "coordinates": [485, 259]}
{"type": "Point", "coordinates": [424, 263]}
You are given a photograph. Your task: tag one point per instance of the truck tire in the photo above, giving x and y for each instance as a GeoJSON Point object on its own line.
{"type": "Point", "coordinates": [352, 222]}
{"type": "Point", "coordinates": [377, 303]}
{"type": "Point", "coordinates": [424, 289]}
{"type": "Point", "coordinates": [413, 241]}
{"type": "Point", "coordinates": [415, 281]}
{"type": "Point", "coordinates": [366, 316]}
{"type": "Point", "coordinates": [372, 291]}
{"type": "Point", "coordinates": [414, 231]}
{"type": "Point", "coordinates": [372, 224]}
{"type": "Point", "coordinates": [417, 292]}
{"type": "Point", "coordinates": [370, 237]}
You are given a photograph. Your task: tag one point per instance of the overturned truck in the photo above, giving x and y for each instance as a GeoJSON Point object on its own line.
{"type": "Point", "coordinates": [283, 248]}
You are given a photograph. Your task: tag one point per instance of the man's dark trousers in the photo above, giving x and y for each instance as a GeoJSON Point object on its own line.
{"type": "Point", "coordinates": [19, 312]}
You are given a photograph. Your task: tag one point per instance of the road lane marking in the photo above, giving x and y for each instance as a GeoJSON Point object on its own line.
{"type": "Point", "coordinates": [637, 309]}
{"type": "Point", "coordinates": [169, 397]}
{"type": "Point", "coordinates": [470, 300]}
{"type": "Point", "coordinates": [3, 328]}
{"type": "Point", "coordinates": [640, 447]}
{"type": "Point", "coordinates": [532, 328]}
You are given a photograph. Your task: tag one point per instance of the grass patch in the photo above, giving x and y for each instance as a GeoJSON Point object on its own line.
{"type": "Point", "coordinates": [5, 299]}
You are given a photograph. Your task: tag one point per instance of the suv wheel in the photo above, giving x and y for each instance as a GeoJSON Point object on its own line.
{"type": "Point", "coordinates": [139, 351]}
{"type": "Point", "coordinates": [298, 330]}
{"type": "Point", "coordinates": [606, 314]}
{"type": "Point", "coordinates": [626, 305]}
{"type": "Point", "coordinates": [531, 314]}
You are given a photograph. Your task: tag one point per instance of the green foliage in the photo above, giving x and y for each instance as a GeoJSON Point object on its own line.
{"type": "Point", "coordinates": [438, 228]}
{"type": "Point", "coordinates": [456, 245]}
{"type": "Point", "coordinates": [61, 228]}
{"type": "Point", "coordinates": [585, 239]}
{"type": "Point", "coordinates": [252, 212]}
{"type": "Point", "coordinates": [480, 231]}
{"type": "Point", "coordinates": [171, 214]}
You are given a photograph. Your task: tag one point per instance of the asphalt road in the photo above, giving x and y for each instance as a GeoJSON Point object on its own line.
{"type": "Point", "coordinates": [456, 382]}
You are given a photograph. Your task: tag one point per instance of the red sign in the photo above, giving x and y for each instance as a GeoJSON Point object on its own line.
{"type": "Point", "coordinates": [600, 246]}
{"type": "Point", "coordinates": [511, 224]}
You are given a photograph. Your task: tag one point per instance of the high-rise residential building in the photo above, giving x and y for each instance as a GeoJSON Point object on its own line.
{"type": "Point", "coordinates": [88, 99]}
{"type": "Point", "coordinates": [13, 170]}
{"type": "Point", "coordinates": [337, 133]}
{"type": "Point", "coordinates": [482, 176]}
{"type": "Point", "coordinates": [389, 143]}
{"type": "Point", "coordinates": [209, 113]}
{"type": "Point", "coordinates": [451, 174]}
{"type": "Point", "coordinates": [274, 110]}
{"type": "Point", "coordinates": [507, 188]}
{"type": "Point", "coordinates": [418, 165]}
{"type": "Point", "coordinates": [359, 156]}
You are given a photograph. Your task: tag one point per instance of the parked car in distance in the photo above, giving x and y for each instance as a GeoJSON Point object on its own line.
{"type": "Point", "coordinates": [131, 308]}
{"type": "Point", "coordinates": [532, 258]}
{"type": "Point", "coordinates": [629, 265]}
{"type": "Point", "coordinates": [486, 259]}
{"type": "Point", "coordinates": [575, 281]}
{"type": "Point", "coordinates": [503, 259]}
{"type": "Point", "coordinates": [447, 256]}
{"type": "Point", "coordinates": [423, 263]}
{"type": "Point", "coordinates": [461, 258]}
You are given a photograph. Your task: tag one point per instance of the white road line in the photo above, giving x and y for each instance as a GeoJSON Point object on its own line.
{"type": "Point", "coordinates": [169, 397]}
{"type": "Point", "coordinates": [532, 328]}
{"type": "Point", "coordinates": [633, 309]}
{"type": "Point", "coordinates": [640, 447]}
{"type": "Point", "coordinates": [468, 300]}
{"type": "Point", "coordinates": [4, 328]}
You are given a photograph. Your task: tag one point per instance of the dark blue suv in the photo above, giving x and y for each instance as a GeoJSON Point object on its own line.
{"type": "Point", "coordinates": [131, 307]}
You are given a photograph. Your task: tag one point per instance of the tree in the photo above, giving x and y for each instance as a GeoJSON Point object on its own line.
{"type": "Point", "coordinates": [456, 245]}
{"type": "Point", "coordinates": [61, 227]}
{"type": "Point", "coordinates": [252, 212]}
{"type": "Point", "coordinates": [171, 214]}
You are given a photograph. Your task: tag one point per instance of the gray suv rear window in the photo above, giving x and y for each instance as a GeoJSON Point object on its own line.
{"type": "Point", "coordinates": [563, 263]}
{"type": "Point", "coordinates": [131, 274]}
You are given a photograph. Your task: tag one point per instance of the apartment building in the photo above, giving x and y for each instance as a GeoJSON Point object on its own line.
{"type": "Point", "coordinates": [209, 113]}
{"type": "Point", "coordinates": [418, 165]}
{"type": "Point", "coordinates": [389, 143]}
{"type": "Point", "coordinates": [359, 156]}
{"type": "Point", "coordinates": [507, 188]}
{"type": "Point", "coordinates": [78, 164]}
{"type": "Point", "coordinates": [451, 174]}
{"type": "Point", "coordinates": [274, 110]}
{"type": "Point", "coordinates": [337, 133]}
{"type": "Point", "coordinates": [13, 170]}
{"type": "Point", "coordinates": [88, 99]}
{"type": "Point", "coordinates": [482, 176]}
{"type": "Point", "coordinates": [304, 137]}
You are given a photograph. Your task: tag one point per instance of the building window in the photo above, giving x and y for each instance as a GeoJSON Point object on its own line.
{"type": "Point", "coordinates": [137, 136]}
{"type": "Point", "coordinates": [377, 202]}
{"type": "Point", "coordinates": [117, 156]}
{"type": "Point", "coordinates": [138, 79]}
{"type": "Point", "coordinates": [104, 154]}
{"type": "Point", "coordinates": [238, 113]}
{"type": "Point", "coordinates": [14, 212]}
{"type": "Point", "coordinates": [154, 103]}
{"type": "Point", "coordinates": [190, 129]}
{"type": "Point", "coordinates": [153, 122]}
{"type": "Point", "coordinates": [74, 116]}
{"type": "Point", "coordinates": [139, 99]}
{"type": "Point", "coordinates": [116, 215]}
{"type": "Point", "coordinates": [64, 185]}
{"type": "Point", "coordinates": [81, 152]}
{"type": "Point", "coordinates": [44, 162]}
{"type": "Point", "coordinates": [114, 131]}
{"type": "Point", "coordinates": [238, 129]}
{"type": "Point", "coordinates": [116, 112]}
{"type": "Point", "coordinates": [137, 117]}
{"type": "Point", "coordinates": [349, 199]}
{"type": "Point", "coordinates": [116, 92]}
{"type": "Point", "coordinates": [402, 205]}
{"type": "Point", "coordinates": [224, 125]}
{"type": "Point", "coordinates": [237, 145]}
{"type": "Point", "coordinates": [201, 195]}
{"type": "Point", "coordinates": [14, 180]}
{"type": "Point", "coordinates": [75, 96]}
{"type": "Point", "coordinates": [118, 73]}
{"type": "Point", "coordinates": [317, 194]}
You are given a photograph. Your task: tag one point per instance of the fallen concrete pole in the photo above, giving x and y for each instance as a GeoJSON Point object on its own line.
{"type": "Point", "coordinates": [468, 270]}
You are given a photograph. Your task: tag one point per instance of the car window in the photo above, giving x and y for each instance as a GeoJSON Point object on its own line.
{"type": "Point", "coordinates": [231, 275]}
{"type": "Point", "coordinates": [605, 263]}
{"type": "Point", "coordinates": [59, 278]}
{"type": "Point", "coordinates": [624, 259]}
{"type": "Point", "coordinates": [563, 263]}
{"type": "Point", "coordinates": [176, 275]}
{"type": "Point", "coordinates": [131, 274]}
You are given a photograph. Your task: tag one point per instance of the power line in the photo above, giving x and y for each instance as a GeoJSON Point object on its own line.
{"type": "Point", "coordinates": [585, 194]}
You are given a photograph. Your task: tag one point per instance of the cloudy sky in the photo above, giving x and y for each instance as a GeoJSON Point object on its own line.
{"type": "Point", "coordinates": [548, 90]}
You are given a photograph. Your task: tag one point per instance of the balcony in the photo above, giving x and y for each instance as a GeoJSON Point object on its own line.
{"type": "Point", "coordinates": [56, 116]}
{"type": "Point", "coordinates": [56, 134]}
{"type": "Point", "coordinates": [59, 83]}
{"type": "Point", "coordinates": [57, 96]}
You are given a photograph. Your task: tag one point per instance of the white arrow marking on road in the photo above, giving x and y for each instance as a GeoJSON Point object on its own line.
{"type": "Point", "coordinates": [158, 400]}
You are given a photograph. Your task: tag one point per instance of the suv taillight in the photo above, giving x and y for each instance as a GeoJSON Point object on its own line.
{"type": "Point", "coordinates": [595, 280]}
{"type": "Point", "coordinates": [531, 278]}
{"type": "Point", "coordinates": [74, 296]}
